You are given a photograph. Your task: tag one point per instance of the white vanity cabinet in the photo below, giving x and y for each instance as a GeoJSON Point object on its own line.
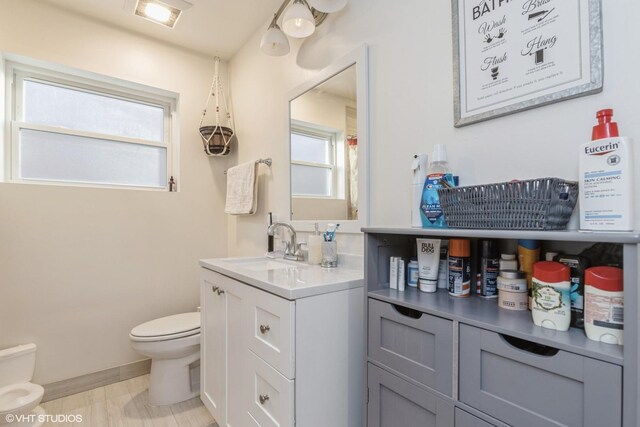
{"type": "Point", "coordinates": [271, 361]}
{"type": "Point", "coordinates": [221, 339]}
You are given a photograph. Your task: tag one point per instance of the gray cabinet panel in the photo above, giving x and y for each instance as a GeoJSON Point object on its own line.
{"type": "Point", "coordinates": [527, 385]}
{"type": "Point", "coordinates": [394, 402]}
{"type": "Point", "coordinates": [415, 344]}
{"type": "Point", "coordinates": [465, 419]}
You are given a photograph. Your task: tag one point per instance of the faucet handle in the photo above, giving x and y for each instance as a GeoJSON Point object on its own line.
{"type": "Point", "coordinates": [287, 248]}
{"type": "Point", "coordinates": [298, 252]}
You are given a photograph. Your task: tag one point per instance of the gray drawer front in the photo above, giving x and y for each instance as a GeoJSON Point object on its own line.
{"type": "Point", "coordinates": [421, 349]}
{"type": "Point", "coordinates": [394, 402]}
{"type": "Point", "coordinates": [521, 388]}
{"type": "Point", "coordinates": [465, 419]}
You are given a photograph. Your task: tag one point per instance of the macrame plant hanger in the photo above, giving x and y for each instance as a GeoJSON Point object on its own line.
{"type": "Point", "coordinates": [217, 138]}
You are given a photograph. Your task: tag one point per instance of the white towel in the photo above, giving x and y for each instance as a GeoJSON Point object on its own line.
{"type": "Point", "coordinates": [242, 189]}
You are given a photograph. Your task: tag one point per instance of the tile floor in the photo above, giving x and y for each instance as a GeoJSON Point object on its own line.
{"type": "Point", "coordinates": [126, 404]}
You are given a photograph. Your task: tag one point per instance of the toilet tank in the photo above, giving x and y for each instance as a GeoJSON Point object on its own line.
{"type": "Point", "coordinates": [17, 364]}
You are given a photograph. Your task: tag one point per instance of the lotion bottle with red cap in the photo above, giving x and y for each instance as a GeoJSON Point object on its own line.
{"type": "Point", "coordinates": [606, 178]}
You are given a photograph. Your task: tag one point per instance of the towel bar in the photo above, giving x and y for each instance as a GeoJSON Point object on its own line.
{"type": "Point", "coordinates": [266, 161]}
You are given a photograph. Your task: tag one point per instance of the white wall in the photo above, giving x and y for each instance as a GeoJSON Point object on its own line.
{"type": "Point", "coordinates": [411, 98]}
{"type": "Point", "coordinates": [79, 267]}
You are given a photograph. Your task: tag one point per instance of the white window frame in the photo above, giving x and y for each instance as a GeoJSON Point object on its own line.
{"type": "Point", "coordinates": [300, 128]}
{"type": "Point", "coordinates": [18, 69]}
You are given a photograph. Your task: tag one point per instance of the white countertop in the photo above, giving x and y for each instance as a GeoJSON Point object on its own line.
{"type": "Point", "coordinates": [288, 279]}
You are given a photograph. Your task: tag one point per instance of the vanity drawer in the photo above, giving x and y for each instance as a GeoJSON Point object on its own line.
{"type": "Point", "coordinates": [394, 402]}
{"type": "Point", "coordinates": [272, 330]}
{"type": "Point", "coordinates": [525, 384]}
{"type": "Point", "coordinates": [271, 395]}
{"type": "Point", "coordinates": [465, 419]}
{"type": "Point", "coordinates": [412, 343]}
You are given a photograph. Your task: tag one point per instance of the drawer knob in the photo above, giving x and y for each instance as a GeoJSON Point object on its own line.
{"type": "Point", "coordinates": [263, 398]}
{"type": "Point", "coordinates": [214, 288]}
{"type": "Point", "coordinates": [264, 329]}
{"type": "Point", "coordinates": [220, 291]}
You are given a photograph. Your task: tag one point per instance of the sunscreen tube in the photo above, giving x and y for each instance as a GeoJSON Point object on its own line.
{"type": "Point", "coordinates": [428, 263]}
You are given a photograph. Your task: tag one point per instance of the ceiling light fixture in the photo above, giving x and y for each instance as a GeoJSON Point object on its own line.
{"type": "Point", "coordinates": [299, 21]}
{"type": "Point", "coordinates": [165, 12]}
{"type": "Point", "coordinates": [157, 12]}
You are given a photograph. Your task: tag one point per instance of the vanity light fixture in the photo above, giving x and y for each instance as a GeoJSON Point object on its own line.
{"type": "Point", "coordinates": [299, 20]}
{"type": "Point", "coordinates": [274, 42]}
{"type": "Point", "coordinates": [328, 6]}
{"type": "Point", "coordinates": [165, 12]}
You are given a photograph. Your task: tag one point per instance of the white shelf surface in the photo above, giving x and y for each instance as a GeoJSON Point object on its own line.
{"type": "Point", "coordinates": [485, 313]}
{"type": "Point", "coordinates": [564, 235]}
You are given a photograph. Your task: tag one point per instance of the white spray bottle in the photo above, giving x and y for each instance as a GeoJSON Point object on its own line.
{"type": "Point", "coordinates": [419, 167]}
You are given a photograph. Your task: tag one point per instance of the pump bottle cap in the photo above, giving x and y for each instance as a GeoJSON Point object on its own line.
{"type": "Point", "coordinates": [439, 153]}
{"type": "Point", "coordinates": [605, 127]}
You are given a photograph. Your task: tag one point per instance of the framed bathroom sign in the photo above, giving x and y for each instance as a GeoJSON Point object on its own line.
{"type": "Point", "coordinates": [514, 55]}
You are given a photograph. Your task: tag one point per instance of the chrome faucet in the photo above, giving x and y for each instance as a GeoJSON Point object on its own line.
{"type": "Point", "coordinates": [292, 247]}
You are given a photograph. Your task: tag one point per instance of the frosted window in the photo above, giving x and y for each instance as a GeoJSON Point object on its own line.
{"type": "Point", "coordinates": [307, 148]}
{"type": "Point", "coordinates": [58, 157]}
{"type": "Point", "coordinates": [310, 181]}
{"type": "Point", "coordinates": [48, 104]}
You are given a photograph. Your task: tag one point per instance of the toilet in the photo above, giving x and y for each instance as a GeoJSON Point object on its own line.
{"type": "Point", "coordinates": [173, 344]}
{"type": "Point", "coordinates": [19, 398]}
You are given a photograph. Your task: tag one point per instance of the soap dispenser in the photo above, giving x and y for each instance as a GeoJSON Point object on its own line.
{"type": "Point", "coordinates": [314, 244]}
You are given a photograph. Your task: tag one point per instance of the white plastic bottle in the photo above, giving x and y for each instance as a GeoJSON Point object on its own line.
{"type": "Point", "coordinates": [606, 178]}
{"type": "Point", "coordinates": [419, 168]}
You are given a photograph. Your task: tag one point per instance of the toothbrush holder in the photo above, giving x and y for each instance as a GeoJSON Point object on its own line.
{"type": "Point", "coordinates": [329, 254]}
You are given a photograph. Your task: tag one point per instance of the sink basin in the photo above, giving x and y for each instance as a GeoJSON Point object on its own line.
{"type": "Point", "coordinates": [264, 264]}
{"type": "Point", "coordinates": [288, 279]}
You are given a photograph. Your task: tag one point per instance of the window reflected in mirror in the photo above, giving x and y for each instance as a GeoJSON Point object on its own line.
{"type": "Point", "coordinates": [324, 150]}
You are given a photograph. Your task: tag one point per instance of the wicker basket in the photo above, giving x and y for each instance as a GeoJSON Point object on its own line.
{"type": "Point", "coordinates": [535, 204]}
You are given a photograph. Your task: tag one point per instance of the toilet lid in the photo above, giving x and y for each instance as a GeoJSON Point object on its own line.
{"type": "Point", "coordinates": [178, 324]}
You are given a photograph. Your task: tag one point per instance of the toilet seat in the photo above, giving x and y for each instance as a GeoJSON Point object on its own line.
{"type": "Point", "coordinates": [15, 397]}
{"type": "Point", "coordinates": [167, 328]}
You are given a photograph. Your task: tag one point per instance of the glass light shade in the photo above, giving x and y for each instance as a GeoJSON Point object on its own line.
{"type": "Point", "coordinates": [328, 6]}
{"type": "Point", "coordinates": [157, 12]}
{"type": "Point", "coordinates": [274, 42]}
{"type": "Point", "coordinates": [298, 21]}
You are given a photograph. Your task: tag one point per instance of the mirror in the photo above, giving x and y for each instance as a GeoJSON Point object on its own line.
{"type": "Point", "coordinates": [327, 148]}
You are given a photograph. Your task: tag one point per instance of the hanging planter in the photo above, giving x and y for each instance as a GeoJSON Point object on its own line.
{"type": "Point", "coordinates": [217, 138]}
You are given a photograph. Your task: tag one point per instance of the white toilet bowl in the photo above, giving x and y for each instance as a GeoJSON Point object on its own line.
{"type": "Point", "coordinates": [19, 398]}
{"type": "Point", "coordinates": [173, 344]}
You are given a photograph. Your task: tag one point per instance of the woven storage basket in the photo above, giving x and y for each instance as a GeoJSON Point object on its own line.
{"type": "Point", "coordinates": [535, 204]}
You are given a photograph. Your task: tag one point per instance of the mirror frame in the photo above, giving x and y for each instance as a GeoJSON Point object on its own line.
{"type": "Point", "coordinates": [359, 58]}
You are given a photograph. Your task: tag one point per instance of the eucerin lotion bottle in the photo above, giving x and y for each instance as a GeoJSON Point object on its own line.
{"type": "Point", "coordinates": [606, 178]}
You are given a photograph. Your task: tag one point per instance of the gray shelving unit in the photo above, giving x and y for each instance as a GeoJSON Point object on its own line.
{"type": "Point", "coordinates": [381, 243]}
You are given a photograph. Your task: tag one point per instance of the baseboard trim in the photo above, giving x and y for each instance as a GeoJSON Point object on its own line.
{"type": "Point", "coordinates": [96, 379]}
